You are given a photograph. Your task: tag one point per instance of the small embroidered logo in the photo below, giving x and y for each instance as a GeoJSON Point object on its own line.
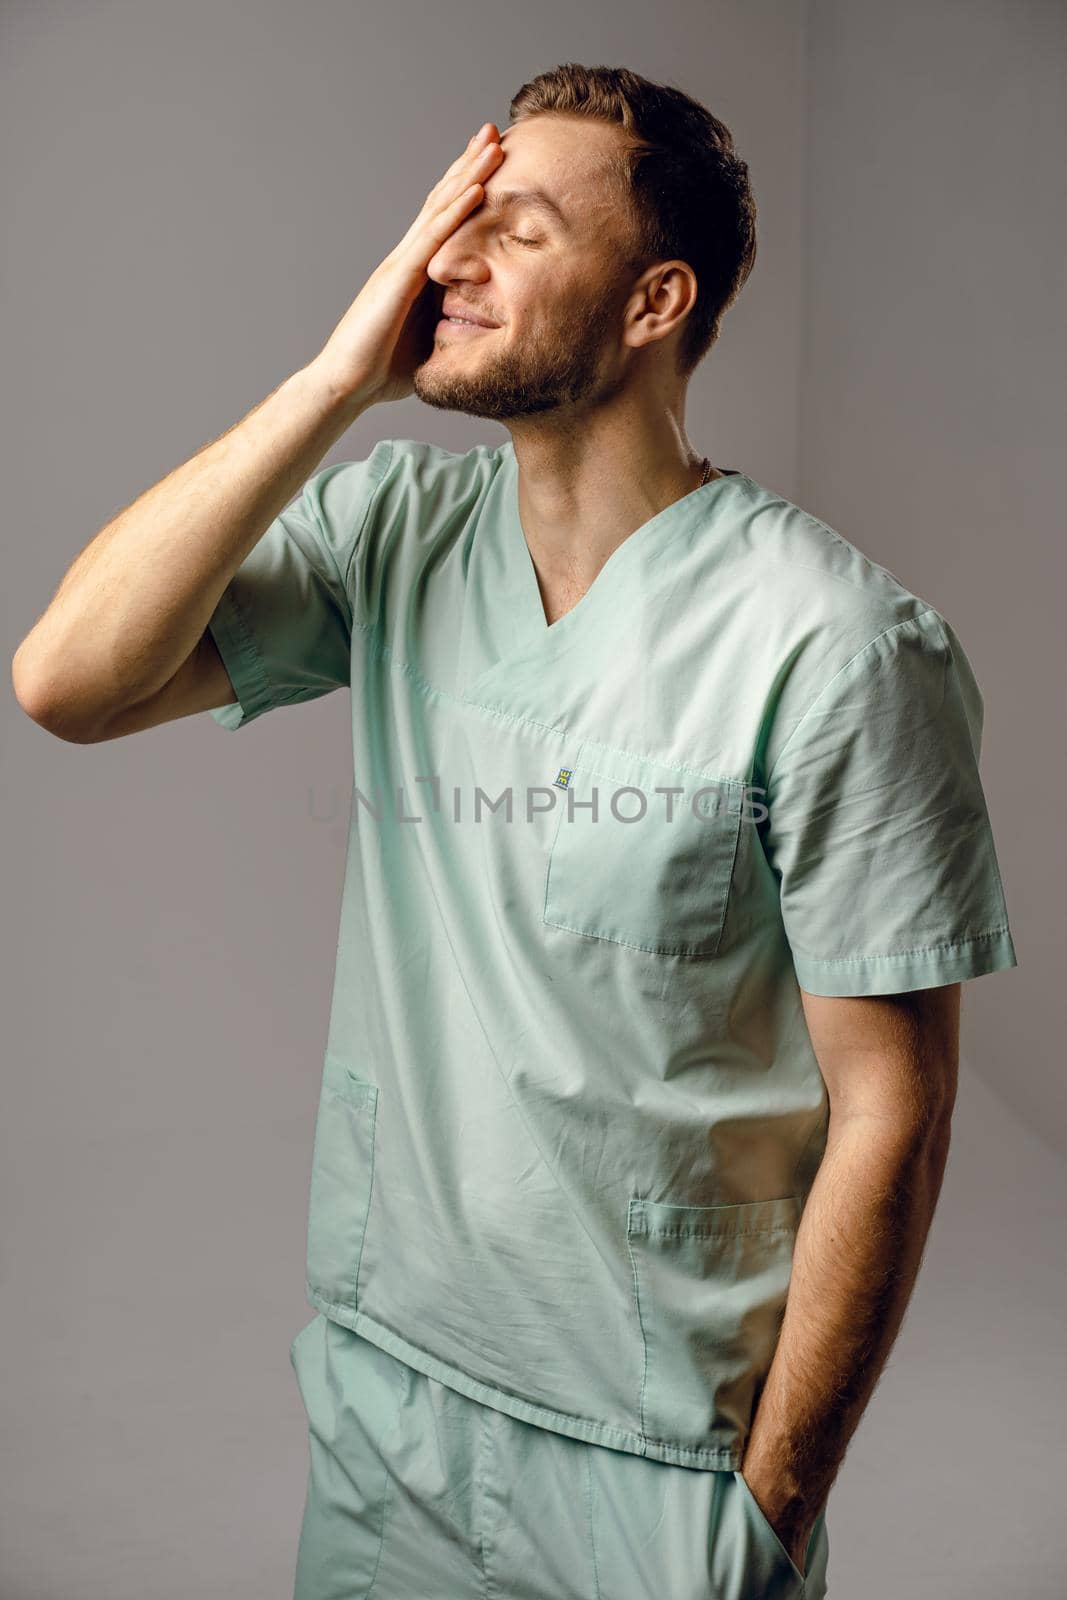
{"type": "Point", "coordinates": [564, 778]}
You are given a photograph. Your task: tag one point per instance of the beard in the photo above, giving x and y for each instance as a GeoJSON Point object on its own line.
{"type": "Point", "coordinates": [560, 368]}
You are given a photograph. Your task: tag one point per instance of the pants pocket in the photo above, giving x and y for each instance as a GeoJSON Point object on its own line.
{"type": "Point", "coordinates": [662, 1530]}
{"type": "Point", "coordinates": [306, 1329]}
{"type": "Point", "coordinates": [342, 1169]}
{"type": "Point", "coordinates": [783, 1576]}
{"type": "Point", "coordinates": [711, 1284]}
{"type": "Point", "coordinates": [352, 1393]}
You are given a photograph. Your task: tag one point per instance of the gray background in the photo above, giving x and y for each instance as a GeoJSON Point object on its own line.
{"type": "Point", "coordinates": [192, 195]}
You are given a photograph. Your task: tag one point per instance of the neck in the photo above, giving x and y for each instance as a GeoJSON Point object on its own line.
{"type": "Point", "coordinates": [582, 494]}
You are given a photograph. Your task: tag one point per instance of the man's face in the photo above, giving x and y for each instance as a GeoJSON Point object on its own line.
{"type": "Point", "coordinates": [553, 285]}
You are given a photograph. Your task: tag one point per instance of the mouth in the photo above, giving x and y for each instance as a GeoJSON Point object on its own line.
{"type": "Point", "coordinates": [460, 326]}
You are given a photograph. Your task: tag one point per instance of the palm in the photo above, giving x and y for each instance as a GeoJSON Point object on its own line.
{"type": "Point", "coordinates": [414, 343]}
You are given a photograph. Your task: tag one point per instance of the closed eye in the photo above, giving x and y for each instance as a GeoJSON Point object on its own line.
{"type": "Point", "coordinates": [517, 239]}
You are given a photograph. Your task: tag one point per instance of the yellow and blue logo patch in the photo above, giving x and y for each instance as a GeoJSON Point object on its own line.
{"type": "Point", "coordinates": [564, 778]}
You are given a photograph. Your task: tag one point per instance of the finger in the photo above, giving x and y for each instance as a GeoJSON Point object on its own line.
{"type": "Point", "coordinates": [438, 227]}
{"type": "Point", "coordinates": [432, 227]}
{"type": "Point", "coordinates": [463, 157]}
{"type": "Point", "coordinates": [446, 194]}
{"type": "Point", "coordinates": [470, 163]}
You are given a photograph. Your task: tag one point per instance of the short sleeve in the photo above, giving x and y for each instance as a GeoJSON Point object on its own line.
{"type": "Point", "coordinates": [877, 828]}
{"type": "Point", "coordinates": [283, 624]}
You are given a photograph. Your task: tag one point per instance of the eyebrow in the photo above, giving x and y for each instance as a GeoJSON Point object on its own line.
{"type": "Point", "coordinates": [535, 199]}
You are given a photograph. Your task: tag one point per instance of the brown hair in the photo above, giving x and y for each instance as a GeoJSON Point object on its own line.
{"type": "Point", "coordinates": [690, 193]}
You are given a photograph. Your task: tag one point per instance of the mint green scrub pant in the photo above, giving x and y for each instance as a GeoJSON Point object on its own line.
{"type": "Point", "coordinates": [417, 1492]}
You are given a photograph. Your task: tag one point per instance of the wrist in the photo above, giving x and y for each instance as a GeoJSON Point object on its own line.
{"type": "Point", "coordinates": [335, 389]}
{"type": "Point", "coordinates": [774, 1483]}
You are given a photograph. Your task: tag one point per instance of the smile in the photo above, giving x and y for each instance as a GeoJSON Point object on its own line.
{"type": "Point", "coordinates": [462, 326]}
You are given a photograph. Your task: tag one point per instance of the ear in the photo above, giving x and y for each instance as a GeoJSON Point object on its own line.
{"type": "Point", "coordinates": [661, 300]}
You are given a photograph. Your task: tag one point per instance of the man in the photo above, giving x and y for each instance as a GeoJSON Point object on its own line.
{"type": "Point", "coordinates": [668, 856]}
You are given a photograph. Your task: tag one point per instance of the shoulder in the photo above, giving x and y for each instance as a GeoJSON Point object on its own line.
{"type": "Point", "coordinates": [418, 486]}
{"type": "Point", "coordinates": [809, 571]}
{"type": "Point", "coordinates": [837, 626]}
{"type": "Point", "coordinates": [419, 498]}
{"type": "Point", "coordinates": [414, 467]}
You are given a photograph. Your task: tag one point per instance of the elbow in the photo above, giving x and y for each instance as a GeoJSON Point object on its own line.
{"type": "Point", "coordinates": [31, 686]}
{"type": "Point", "coordinates": [27, 687]}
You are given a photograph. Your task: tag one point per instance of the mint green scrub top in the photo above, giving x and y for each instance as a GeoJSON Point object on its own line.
{"type": "Point", "coordinates": [570, 1112]}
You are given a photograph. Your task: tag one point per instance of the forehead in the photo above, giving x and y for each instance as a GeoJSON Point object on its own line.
{"type": "Point", "coordinates": [565, 157]}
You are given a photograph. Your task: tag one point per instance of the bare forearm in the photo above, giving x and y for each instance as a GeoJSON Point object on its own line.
{"type": "Point", "coordinates": [858, 1251]}
{"type": "Point", "coordinates": [134, 603]}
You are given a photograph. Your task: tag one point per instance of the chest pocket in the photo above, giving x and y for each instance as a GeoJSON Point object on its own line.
{"type": "Point", "coordinates": [651, 866]}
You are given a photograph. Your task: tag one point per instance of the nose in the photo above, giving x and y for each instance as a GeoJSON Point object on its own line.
{"type": "Point", "coordinates": [458, 259]}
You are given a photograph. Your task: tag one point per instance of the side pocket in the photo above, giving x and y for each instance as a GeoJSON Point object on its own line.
{"type": "Point", "coordinates": [306, 1329]}
{"type": "Point", "coordinates": [711, 1284]}
{"type": "Point", "coordinates": [766, 1531]}
{"type": "Point", "coordinates": [342, 1170]}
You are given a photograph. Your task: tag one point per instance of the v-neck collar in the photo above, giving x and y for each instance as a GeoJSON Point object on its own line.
{"type": "Point", "coordinates": [507, 647]}
{"type": "Point", "coordinates": [623, 553]}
